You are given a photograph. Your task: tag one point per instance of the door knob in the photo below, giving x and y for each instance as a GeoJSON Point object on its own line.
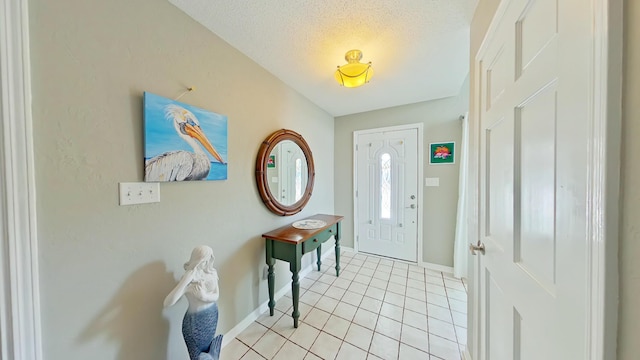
{"type": "Point", "coordinates": [412, 206]}
{"type": "Point", "coordinates": [413, 197]}
{"type": "Point", "coordinates": [474, 248]}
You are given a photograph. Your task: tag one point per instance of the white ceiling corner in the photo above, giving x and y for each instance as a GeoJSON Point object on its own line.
{"type": "Point", "coordinates": [419, 48]}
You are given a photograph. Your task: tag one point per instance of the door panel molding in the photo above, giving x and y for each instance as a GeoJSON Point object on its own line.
{"type": "Point", "coordinates": [604, 134]}
{"type": "Point", "coordinates": [420, 173]}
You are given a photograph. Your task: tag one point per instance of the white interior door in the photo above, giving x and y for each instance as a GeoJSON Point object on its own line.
{"type": "Point", "coordinates": [534, 109]}
{"type": "Point", "coordinates": [294, 172]}
{"type": "Point", "coordinates": [387, 193]}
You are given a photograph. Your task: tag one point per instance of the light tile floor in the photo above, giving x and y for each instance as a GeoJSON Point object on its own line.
{"type": "Point", "coordinates": [377, 309]}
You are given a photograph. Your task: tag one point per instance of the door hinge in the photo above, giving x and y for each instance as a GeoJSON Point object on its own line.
{"type": "Point", "coordinates": [356, 147]}
{"type": "Point", "coordinates": [356, 193]}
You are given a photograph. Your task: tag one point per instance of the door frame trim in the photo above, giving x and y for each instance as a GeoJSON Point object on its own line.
{"type": "Point", "coordinates": [20, 322]}
{"type": "Point", "coordinates": [420, 173]}
{"type": "Point", "coordinates": [603, 178]}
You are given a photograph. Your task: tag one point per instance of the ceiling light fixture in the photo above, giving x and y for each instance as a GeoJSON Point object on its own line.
{"type": "Point", "coordinates": [354, 73]}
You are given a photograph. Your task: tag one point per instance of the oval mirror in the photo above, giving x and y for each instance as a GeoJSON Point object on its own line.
{"type": "Point", "coordinates": [285, 172]}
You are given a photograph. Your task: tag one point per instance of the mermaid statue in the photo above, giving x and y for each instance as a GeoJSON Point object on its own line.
{"type": "Point", "coordinates": [199, 285]}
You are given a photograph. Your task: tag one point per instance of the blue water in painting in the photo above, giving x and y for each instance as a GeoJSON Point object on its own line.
{"type": "Point", "coordinates": [218, 171]}
{"type": "Point", "coordinates": [160, 135]}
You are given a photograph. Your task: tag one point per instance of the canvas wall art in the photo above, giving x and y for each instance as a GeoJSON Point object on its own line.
{"type": "Point", "coordinates": [183, 142]}
{"type": "Point", "coordinates": [442, 153]}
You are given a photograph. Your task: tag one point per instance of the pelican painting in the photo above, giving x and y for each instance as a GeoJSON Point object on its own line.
{"type": "Point", "coordinates": [183, 142]}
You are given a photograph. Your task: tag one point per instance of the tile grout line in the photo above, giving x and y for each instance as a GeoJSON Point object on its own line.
{"type": "Point", "coordinates": [455, 331]}
{"type": "Point", "coordinates": [427, 317]}
{"type": "Point", "coordinates": [356, 270]}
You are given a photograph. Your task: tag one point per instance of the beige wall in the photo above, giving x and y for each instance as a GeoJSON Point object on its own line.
{"type": "Point", "coordinates": [104, 268]}
{"type": "Point", "coordinates": [440, 119]}
{"type": "Point", "coordinates": [629, 310]}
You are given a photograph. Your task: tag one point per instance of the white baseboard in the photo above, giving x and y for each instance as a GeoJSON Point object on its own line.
{"type": "Point", "coordinates": [348, 249]}
{"type": "Point", "coordinates": [427, 265]}
{"type": "Point", "coordinates": [466, 355]}
{"type": "Point", "coordinates": [436, 267]}
{"type": "Point", "coordinates": [255, 314]}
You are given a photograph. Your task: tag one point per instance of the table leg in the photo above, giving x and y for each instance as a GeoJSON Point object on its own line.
{"type": "Point", "coordinates": [295, 293]}
{"type": "Point", "coordinates": [271, 277]}
{"type": "Point", "coordinates": [337, 237]}
{"type": "Point", "coordinates": [319, 253]}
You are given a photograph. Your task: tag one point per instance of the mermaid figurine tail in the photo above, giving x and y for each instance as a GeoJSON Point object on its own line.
{"type": "Point", "coordinates": [198, 329]}
{"type": "Point", "coordinates": [214, 350]}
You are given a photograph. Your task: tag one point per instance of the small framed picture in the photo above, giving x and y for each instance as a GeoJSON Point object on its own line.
{"type": "Point", "coordinates": [271, 163]}
{"type": "Point", "coordinates": [442, 153]}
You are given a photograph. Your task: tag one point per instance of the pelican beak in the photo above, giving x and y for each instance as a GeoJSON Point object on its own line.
{"type": "Point", "coordinates": [196, 133]}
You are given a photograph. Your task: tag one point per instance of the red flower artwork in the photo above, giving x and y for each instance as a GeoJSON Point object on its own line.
{"type": "Point", "coordinates": [442, 152]}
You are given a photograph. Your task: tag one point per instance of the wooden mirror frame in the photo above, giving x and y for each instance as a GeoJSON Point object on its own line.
{"type": "Point", "coordinates": [261, 172]}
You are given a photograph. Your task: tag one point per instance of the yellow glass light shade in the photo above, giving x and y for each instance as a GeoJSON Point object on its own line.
{"type": "Point", "coordinates": [354, 73]}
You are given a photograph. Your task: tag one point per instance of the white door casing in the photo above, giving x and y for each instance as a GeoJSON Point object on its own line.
{"type": "Point", "coordinates": [20, 332]}
{"type": "Point", "coordinates": [537, 140]}
{"type": "Point", "coordinates": [387, 216]}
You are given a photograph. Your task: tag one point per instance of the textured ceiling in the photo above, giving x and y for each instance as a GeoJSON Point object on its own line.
{"type": "Point", "coordinates": [419, 48]}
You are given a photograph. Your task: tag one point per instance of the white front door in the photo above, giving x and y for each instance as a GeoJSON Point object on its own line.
{"type": "Point", "coordinates": [534, 113]}
{"type": "Point", "coordinates": [386, 193]}
{"type": "Point", "coordinates": [293, 172]}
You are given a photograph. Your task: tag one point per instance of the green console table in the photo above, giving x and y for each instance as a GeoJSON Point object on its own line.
{"type": "Point", "coordinates": [289, 244]}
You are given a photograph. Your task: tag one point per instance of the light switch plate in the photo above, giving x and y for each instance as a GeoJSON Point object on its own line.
{"type": "Point", "coordinates": [139, 193]}
{"type": "Point", "coordinates": [431, 181]}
